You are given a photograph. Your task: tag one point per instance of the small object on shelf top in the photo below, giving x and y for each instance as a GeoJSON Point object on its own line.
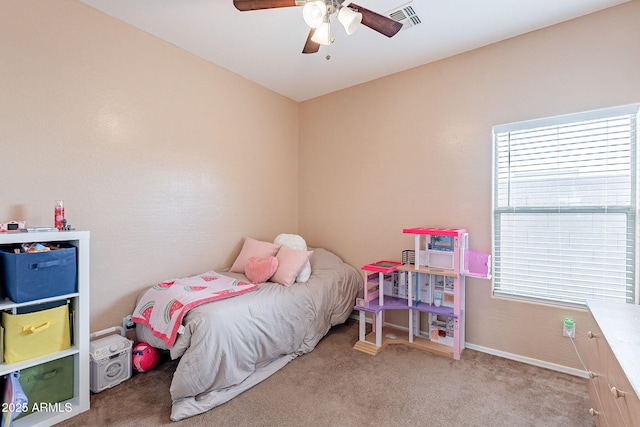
{"type": "Point", "coordinates": [12, 225]}
{"type": "Point", "coordinates": [40, 229]}
{"type": "Point", "coordinates": [435, 231]}
{"type": "Point", "coordinates": [383, 266]}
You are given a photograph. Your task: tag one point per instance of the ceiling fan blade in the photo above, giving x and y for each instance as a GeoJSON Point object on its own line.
{"type": "Point", "coordinates": [244, 5]}
{"type": "Point", "coordinates": [310, 46]}
{"type": "Point", "coordinates": [377, 22]}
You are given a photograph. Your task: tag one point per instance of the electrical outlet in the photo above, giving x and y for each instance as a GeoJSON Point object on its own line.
{"type": "Point", "coordinates": [127, 323]}
{"type": "Point", "coordinates": [569, 328]}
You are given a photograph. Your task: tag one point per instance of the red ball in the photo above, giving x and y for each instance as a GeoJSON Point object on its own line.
{"type": "Point", "coordinates": [144, 357]}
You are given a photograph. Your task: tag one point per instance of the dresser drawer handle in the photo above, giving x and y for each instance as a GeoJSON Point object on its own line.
{"type": "Point", "coordinates": [593, 412]}
{"type": "Point", "coordinates": [591, 335]}
{"type": "Point", "coordinates": [617, 393]}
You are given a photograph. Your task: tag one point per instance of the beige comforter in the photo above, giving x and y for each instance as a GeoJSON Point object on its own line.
{"type": "Point", "coordinates": [230, 345]}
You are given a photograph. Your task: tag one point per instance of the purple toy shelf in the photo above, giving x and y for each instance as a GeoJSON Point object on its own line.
{"type": "Point", "coordinates": [395, 303]}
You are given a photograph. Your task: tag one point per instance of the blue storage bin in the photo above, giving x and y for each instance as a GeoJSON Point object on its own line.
{"type": "Point", "coordinates": [31, 276]}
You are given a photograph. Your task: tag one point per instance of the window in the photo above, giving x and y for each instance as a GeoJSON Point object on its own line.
{"type": "Point", "coordinates": [564, 208]}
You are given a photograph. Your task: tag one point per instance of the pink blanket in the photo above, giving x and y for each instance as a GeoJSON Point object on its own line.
{"type": "Point", "coordinates": [163, 306]}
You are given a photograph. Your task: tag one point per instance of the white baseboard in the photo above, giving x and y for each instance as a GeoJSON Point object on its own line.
{"type": "Point", "coordinates": [529, 360]}
{"type": "Point", "coordinates": [511, 356]}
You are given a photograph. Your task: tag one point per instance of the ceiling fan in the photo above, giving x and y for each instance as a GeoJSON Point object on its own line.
{"type": "Point", "coordinates": [316, 14]}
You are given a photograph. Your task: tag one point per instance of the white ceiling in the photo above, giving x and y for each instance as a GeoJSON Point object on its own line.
{"type": "Point", "coordinates": [265, 46]}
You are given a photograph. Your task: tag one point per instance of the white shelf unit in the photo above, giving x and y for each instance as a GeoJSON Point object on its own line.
{"type": "Point", "coordinates": [79, 304]}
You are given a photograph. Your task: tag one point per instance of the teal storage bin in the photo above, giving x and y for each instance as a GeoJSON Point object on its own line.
{"type": "Point", "coordinates": [31, 276]}
{"type": "Point", "coordinates": [48, 384]}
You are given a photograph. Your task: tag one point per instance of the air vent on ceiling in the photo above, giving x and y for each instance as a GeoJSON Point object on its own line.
{"type": "Point", "coordinates": [406, 15]}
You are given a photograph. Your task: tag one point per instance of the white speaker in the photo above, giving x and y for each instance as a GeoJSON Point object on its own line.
{"type": "Point", "coordinates": [110, 359]}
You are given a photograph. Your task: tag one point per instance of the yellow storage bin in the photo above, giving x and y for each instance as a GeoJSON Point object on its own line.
{"type": "Point", "coordinates": [35, 334]}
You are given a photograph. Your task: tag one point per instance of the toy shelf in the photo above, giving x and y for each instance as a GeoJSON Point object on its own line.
{"type": "Point", "coordinates": [78, 302]}
{"type": "Point", "coordinates": [390, 303]}
{"type": "Point", "coordinates": [390, 336]}
{"type": "Point", "coordinates": [435, 231]}
{"type": "Point", "coordinates": [395, 303]}
{"type": "Point", "coordinates": [428, 270]}
{"type": "Point", "coordinates": [383, 266]}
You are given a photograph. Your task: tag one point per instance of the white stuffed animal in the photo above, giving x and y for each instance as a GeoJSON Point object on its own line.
{"type": "Point", "coordinates": [296, 242]}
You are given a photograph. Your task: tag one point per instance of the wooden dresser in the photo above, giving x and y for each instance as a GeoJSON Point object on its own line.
{"type": "Point", "coordinates": [614, 361]}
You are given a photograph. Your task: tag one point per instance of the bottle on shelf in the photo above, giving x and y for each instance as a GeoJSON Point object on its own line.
{"type": "Point", "coordinates": [58, 215]}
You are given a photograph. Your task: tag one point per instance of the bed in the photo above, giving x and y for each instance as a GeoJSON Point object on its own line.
{"type": "Point", "coordinates": [230, 345]}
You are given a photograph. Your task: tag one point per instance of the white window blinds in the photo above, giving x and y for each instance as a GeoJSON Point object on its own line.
{"type": "Point", "coordinates": [565, 207]}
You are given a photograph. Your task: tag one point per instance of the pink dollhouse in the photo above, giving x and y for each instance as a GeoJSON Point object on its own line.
{"type": "Point", "coordinates": [431, 289]}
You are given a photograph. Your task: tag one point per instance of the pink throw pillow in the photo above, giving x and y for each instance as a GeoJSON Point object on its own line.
{"type": "Point", "coordinates": [252, 248]}
{"type": "Point", "coordinates": [259, 270]}
{"type": "Point", "coordinates": [290, 263]}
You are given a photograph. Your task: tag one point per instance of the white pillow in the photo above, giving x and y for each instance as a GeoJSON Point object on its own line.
{"type": "Point", "coordinates": [296, 242]}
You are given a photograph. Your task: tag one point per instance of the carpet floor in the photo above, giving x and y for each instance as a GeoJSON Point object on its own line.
{"type": "Point", "coordinates": [335, 385]}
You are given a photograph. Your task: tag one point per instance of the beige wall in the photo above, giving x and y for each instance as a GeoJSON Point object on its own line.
{"type": "Point", "coordinates": [167, 159]}
{"type": "Point", "coordinates": [415, 149]}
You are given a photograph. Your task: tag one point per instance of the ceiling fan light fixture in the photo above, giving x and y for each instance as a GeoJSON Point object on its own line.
{"type": "Point", "coordinates": [350, 19]}
{"type": "Point", "coordinates": [322, 34]}
{"type": "Point", "coordinates": [314, 12]}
